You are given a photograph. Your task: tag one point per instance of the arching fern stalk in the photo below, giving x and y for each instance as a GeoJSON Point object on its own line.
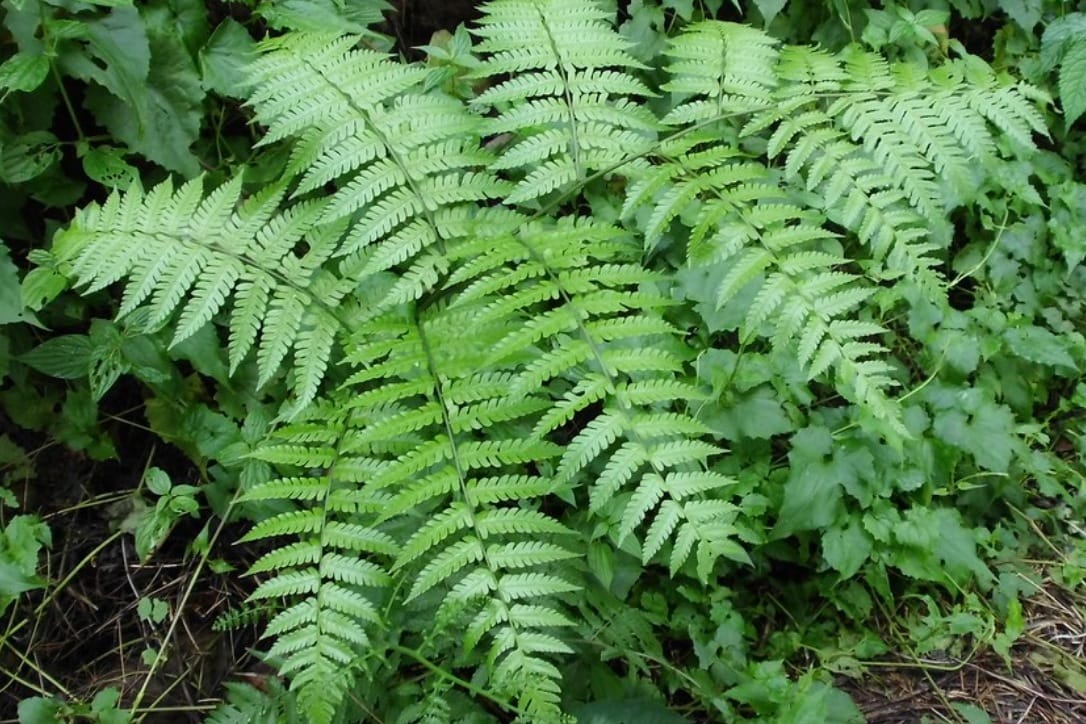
{"type": "Point", "coordinates": [499, 367]}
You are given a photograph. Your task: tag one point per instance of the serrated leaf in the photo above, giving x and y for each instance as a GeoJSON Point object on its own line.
{"type": "Point", "coordinates": [156, 79]}
{"type": "Point", "coordinates": [225, 58]}
{"type": "Point", "coordinates": [67, 356]}
{"type": "Point", "coordinates": [1037, 344]}
{"type": "Point", "coordinates": [23, 72]}
{"type": "Point", "coordinates": [1072, 81]}
{"type": "Point", "coordinates": [846, 549]}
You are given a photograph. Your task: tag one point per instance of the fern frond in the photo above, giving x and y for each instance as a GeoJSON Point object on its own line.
{"type": "Point", "coordinates": [587, 323]}
{"type": "Point", "coordinates": [329, 573]}
{"type": "Point", "coordinates": [185, 256]}
{"type": "Point", "coordinates": [720, 68]}
{"type": "Point", "coordinates": [571, 100]}
{"type": "Point", "coordinates": [245, 704]}
{"type": "Point", "coordinates": [406, 162]}
{"type": "Point", "coordinates": [888, 148]}
{"type": "Point", "coordinates": [475, 544]}
{"type": "Point", "coordinates": [794, 262]}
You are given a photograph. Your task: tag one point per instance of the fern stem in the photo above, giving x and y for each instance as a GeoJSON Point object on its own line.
{"type": "Point", "coordinates": [462, 683]}
{"type": "Point", "coordinates": [574, 139]}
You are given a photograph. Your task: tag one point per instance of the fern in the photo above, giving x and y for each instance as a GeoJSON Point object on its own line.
{"type": "Point", "coordinates": [405, 163]}
{"type": "Point", "coordinates": [246, 704]}
{"type": "Point", "coordinates": [873, 139]}
{"type": "Point", "coordinates": [498, 365]}
{"type": "Point", "coordinates": [184, 255]}
{"type": "Point", "coordinates": [335, 571]}
{"type": "Point", "coordinates": [479, 548]}
{"type": "Point", "coordinates": [571, 104]}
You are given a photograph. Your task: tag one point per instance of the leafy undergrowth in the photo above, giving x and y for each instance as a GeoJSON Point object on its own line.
{"type": "Point", "coordinates": [547, 372]}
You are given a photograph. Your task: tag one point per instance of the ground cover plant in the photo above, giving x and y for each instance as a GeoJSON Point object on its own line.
{"type": "Point", "coordinates": [650, 361]}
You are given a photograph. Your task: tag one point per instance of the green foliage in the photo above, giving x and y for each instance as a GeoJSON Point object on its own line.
{"type": "Point", "coordinates": [20, 544]}
{"type": "Point", "coordinates": [1063, 46]}
{"type": "Point", "coordinates": [534, 366]}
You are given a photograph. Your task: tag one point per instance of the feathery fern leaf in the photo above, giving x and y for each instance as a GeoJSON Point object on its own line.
{"type": "Point", "coordinates": [406, 163]}
{"type": "Point", "coordinates": [483, 557]}
{"type": "Point", "coordinates": [585, 315]}
{"type": "Point", "coordinates": [334, 573]}
{"type": "Point", "coordinates": [803, 292]}
{"type": "Point", "coordinates": [182, 252]}
{"type": "Point", "coordinates": [886, 147]}
{"type": "Point", "coordinates": [571, 100]}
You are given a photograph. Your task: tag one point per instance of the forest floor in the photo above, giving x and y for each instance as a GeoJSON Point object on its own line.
{"type": "Point", "coordinates": [91, 628]}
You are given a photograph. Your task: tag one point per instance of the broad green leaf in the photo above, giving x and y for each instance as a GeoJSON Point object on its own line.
{"type": "Point", "coordinates": [769, 9]}
{"type": "Point", "coordinates": [225, 58]}
{"type": "Point", "coordinates": [812, 494]}
{"type": "Point", "coordinates": [28, 156]}
{"type": "Point", "coordinates": [116, 55]}
{"type": "Point", "coordinates": [758, 416]}
{"type": "Point", "coordinates": [11, 302]}
{"type": "Point", "coordinates": [1072, 81]}
{"type": "Point", "coordinates": [67, 356]}
{"type": "Point", "coordinates": [986, 432]}
{"type": "Point", "coordinates": [627, 711]}
{"type": "Point", "coordinates": [846, 549]}
{"type": "Point", "coordinates": [184, 20]}
{"type": "Point", "coordinates": [164, 119]}
{"type": "Point", "coordinates": [601, 561]}
{"type": "Point", "coordinates": [40, 286]}
{"type": "Point", "coordinates": [971, 713]}
{"type": "Point", "coordinates": [158, 482]}
{"type": "Point", "coordinates": [20, 543]}
{"type": "Point", "coordinates": [1037, 344]}
{"type": "Point", "coordinates": [1060, 35]}
{"type": "Point", "coordinates": [39, 710]}
{"type": "Point", "coordinates": [107, 166]}
{"type": "Point", "coordinates": [23, 72]}
{"type": "Point", "coordinates": [1027, 13]}
{"type": "Point", "coordinates": [956, 546]}
{"type": "Point", "coordinates": [320, 15]}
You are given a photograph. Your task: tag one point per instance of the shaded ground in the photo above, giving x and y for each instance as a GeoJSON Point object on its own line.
{"type": "Point", "coordinates": [85, 633]}
{"type": "Point", "coordinates": [1046, 682]}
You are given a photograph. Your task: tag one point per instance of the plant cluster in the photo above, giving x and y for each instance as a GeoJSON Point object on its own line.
{"type": "Point", "coordinates": [538, 368]}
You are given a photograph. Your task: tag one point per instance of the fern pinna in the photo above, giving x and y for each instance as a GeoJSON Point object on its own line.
{"type": "Point", "coordinates": [509, 392]}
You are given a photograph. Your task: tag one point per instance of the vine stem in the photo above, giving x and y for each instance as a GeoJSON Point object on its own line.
{"type": "Point", "coordinates": [984, 260]}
